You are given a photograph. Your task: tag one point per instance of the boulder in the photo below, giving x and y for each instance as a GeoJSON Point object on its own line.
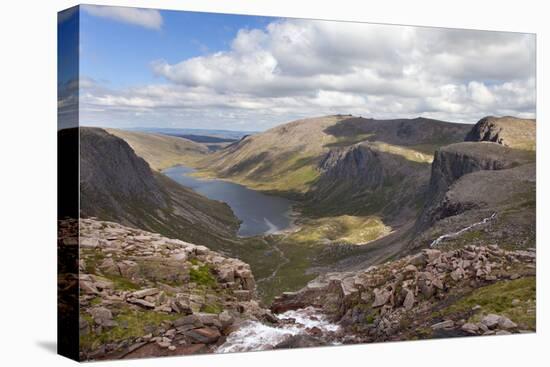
{"type": "Point", "coordinates": [108, 266]}
{"type": "Point", "coordinates": [181, 304]}
{"type": "Point", "coordinates": [506, 323]}
{"type": "Point", "coordinates": [432, 255]}
{"type": "Point", "coordinates": [206, 335]}
{"type": "Point", "coordinates": [141, 302]}
{"type": "Point", "coordinates": [88, 287]}
{"type": "Point", "coordinates": [89, 242]}
{"type": "Point", "coordinates": [381, 297]}
{"type": "Point", "coordinates": [408, 303]}
{"type": "Point", "coordinates": [102, 316]}
{"type": "Point", "coordinates": [226, 319]}
{"type": "Point", "coordinates": [142, 293]}
{"type": "Point", "coordinates": [193, 320]}
{"type": "Point", "coordinates": [447, 324]}
{"type": "Point", "coordinates": [209, 319]}
{"type": "Point", "coordinates": [470, 328]}
{"type": "Point", "coordinates": [419, 260]}
{"type": "Point", "coordinates": [128, 269]}
{"type": "Point", "coordinates": [491, 321]}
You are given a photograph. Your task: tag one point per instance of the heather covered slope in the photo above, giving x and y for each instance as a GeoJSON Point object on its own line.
{"type": "Point", "coordinates": [118, 185]}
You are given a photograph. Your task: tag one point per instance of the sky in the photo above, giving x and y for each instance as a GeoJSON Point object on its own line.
{"type": "Point", "coordinates": [157, 68]}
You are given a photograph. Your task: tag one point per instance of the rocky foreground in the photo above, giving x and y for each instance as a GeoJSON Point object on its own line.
{"type": "Point", "coordinates": [470, 291]}
{"type": "Point", "coordinates": [142, 294]}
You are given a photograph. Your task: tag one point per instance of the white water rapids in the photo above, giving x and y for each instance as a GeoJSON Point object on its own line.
{"type": "Point", "coordinates": [438, 240]}
{"type": "Point", "coordinates": [254, 335]}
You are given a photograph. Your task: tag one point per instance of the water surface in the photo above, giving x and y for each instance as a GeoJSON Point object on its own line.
{"type": "Point", "coordinates": [260, 213]}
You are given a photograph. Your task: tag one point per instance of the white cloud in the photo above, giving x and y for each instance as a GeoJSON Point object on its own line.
{"type": "Point", "coordinates": [148, 18]}
{"type": "Point", "coordinates": [299, 68]}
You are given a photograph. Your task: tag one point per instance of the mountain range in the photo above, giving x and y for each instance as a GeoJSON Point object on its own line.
{"type": "Point", "coordinates": [365, 190]}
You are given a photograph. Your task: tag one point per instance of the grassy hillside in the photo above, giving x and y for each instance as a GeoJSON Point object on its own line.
{"type": "Point", "coordinates": [285, 159]}
{"type": "Point", "coordinates": [162, 151]}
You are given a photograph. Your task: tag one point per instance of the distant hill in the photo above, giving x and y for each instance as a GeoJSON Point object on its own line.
{"type": "Point", "coordinates": [205, 138]}
{"type": "Point", "coordinates": [223, 134]}
{"type": "Point", "coordinates": [161, 151]}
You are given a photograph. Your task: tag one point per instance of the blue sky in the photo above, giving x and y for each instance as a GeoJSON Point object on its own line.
{"type": "Point", "coordinates": [121, 53]}
{"type": "Point", "coordinates": [176, 69]}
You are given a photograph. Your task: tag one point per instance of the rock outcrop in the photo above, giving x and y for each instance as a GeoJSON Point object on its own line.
{"type": "Point", "coordinates": [370, 179]}
{"type": "Point", "coordinates": [509, 131]}
{"type": "Point", "coordinates": [358, 164]}
{"type": "Point", "coordinates": [424, 295]}
{"type": "Point", "coordinates": [142, 294]}
{"type": "Point", "coordinates": [455, 161]}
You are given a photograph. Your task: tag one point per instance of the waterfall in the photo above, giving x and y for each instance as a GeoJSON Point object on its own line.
{"type": "Point", "coordinates": [254, 335]}
{"type": "Point", "coordinates": [438, 240]}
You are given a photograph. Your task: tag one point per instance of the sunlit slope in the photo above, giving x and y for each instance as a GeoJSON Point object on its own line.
{"type": "Point", "coordinates": [162, 151]}
{"type": "Point", "coordinates": [315, 159]}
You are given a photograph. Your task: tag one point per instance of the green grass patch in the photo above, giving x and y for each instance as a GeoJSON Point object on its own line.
{"type": "Point", "coordinates": [344, 229]}
{"type": "Point", "coordinates": [202, 276]}
{"type": "Point", "coordinates": [292, 175]}
{"type": "Point", "coordinates": [96, 301]}
{"type": "Point", "coordinates": [212, 308]}
{"type": "Point", "coordinates": [122, 283]}
{"type": "Point", "coordinates": [131, 324]}
{"type": "Point", "coordinates": [499, 298]}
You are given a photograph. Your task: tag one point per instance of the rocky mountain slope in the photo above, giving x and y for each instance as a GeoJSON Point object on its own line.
{"type": "Point", "coordinates": [118, 185]}
{"type": "Point", "coordinates": [142, 294]}
{"type": "Point", "coordinates": [509, 131]}
{"type": "Point", "coordinates": [472, 181]}
{"type": "Point", "coordinates": [477, 290]}
{"type": "Point", "coordinates": [161, 151]}
{"type": "Point", "coordinates": [286, 158]}
{"type": "Point", "coordinates": [365, 179]}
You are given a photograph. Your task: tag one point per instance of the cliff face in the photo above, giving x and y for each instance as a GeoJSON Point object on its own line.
{"type": "Point", "coordinates": [142, 294]}
{"type": "Point", "coordinates": [110, 172]}
{"type": "Point", "coordinates": [457, 160]}
{"type": "Point", "coordinates": [508, 131]}
{"type": "Point", "coordinates": [118, 185]}
{"type": "Point", "coordinates": [358, 166]}
{"type": "Point", "coordinates": [368, 178]}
